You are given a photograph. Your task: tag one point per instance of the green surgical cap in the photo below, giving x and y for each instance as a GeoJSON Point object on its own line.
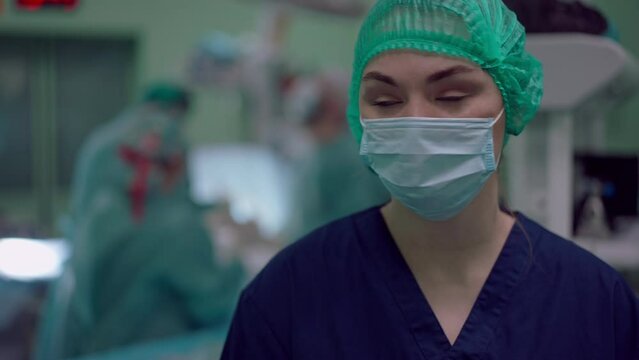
{"type": "Point", "coordinates": [485, 32]}
{"type": "Point", "coordinates": [167, 94]}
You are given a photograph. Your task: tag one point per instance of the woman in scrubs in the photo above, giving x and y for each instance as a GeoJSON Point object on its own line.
{"type": "Point", "coordinates": [441, 271]}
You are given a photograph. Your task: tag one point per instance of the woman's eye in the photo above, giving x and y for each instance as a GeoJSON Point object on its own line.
{"type": "Point", "coordinates": [452, 98]}
{"type": "Point", "coordinates": [385, 103]}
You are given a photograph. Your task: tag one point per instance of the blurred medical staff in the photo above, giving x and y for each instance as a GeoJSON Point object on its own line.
{"type": "Point", "coordinates": [333, 181]}
{"type": "Point", "coordinates": [143, 262]}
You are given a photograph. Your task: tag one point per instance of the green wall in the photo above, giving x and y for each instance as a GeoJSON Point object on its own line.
{"type": "Point", "coordinates": [623, 124]}
{"type": "Point", "coordinates": [167, 30]}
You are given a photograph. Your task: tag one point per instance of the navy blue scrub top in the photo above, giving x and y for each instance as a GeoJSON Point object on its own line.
{"type": "Point", "coordinates": [345, 292]}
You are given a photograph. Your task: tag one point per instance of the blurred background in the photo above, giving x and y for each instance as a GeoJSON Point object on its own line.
{"type": "Point", "coordinates": [155, 154]}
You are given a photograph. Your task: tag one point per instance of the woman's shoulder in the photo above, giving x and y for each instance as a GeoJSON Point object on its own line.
{"type": "Point", "coordinates": [581, 290]}
{"type": "Point", "coordinates": [321, 253]}
{"type": "Point", "coordinates": [557, 256]}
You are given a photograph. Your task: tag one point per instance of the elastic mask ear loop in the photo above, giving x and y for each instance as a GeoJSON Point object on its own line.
{"type": "Point", "coordinates": [498, 117]}
{"type": "Point", "coordinates": [501, 151]}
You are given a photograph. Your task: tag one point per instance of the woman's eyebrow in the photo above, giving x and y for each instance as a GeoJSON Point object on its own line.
{"type": "Point", "coordinates": [438, 76]}
{"type": "Point", "coordinates": [374, 75]}
{"type": "Point", "coordinates": [446, 73]}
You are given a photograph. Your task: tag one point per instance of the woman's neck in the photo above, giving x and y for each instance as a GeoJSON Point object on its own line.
{"type": "Point", "coordinates": [455, 249]}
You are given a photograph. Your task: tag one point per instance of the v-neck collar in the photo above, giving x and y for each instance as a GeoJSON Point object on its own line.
{"type": "Point", "coordinates": [479, 328]}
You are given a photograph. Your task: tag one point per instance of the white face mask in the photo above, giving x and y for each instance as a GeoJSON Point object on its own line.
{"type": "Point", "coordinates": [434, 166]}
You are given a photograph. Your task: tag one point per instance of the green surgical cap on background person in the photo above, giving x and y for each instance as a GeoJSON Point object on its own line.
{"type": "Point", "coordinates": [485, 32]}
{"type": "Point", "coordinates": [167, 94]}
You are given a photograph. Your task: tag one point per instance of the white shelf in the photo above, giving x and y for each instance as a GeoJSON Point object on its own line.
{"type": "Point", "coordinates": [581, 68]}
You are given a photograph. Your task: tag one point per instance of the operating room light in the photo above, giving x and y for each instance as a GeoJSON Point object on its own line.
{"type": "Point", "coordinates": [28, 259]}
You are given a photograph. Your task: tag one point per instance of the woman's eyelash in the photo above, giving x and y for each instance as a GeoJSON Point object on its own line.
{"type": "Point", "coordinates": [385, 103]}
{"type": "Point", "coordinates": [452, 98]}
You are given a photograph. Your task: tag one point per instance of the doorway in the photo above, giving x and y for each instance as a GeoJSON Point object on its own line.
{"type": "Point", "coordinates": [53, 92]}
